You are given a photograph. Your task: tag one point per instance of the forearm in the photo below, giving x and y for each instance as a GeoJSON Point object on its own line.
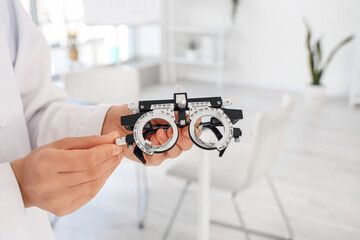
{"type": "Point", "coordinates": [113, 119]}
{"type": "Point", "coordinates": [59, 120]}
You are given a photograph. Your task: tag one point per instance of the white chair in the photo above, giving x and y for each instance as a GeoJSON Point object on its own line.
{"type": "Point", "coordinates": [114, 85]}
{"type": "Point", "coordinates": [241, 167]}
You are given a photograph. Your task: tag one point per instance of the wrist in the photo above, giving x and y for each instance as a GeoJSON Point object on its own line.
{"type": "Point", "coordinates": [112, 121]}
{"type": "Point", "coordinates": [18, 169]}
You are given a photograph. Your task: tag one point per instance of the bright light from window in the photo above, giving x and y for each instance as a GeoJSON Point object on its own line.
{"type": "Point", "coordinates": [96, 45]}
{"type": "Point", "coordinates": [123, 42]}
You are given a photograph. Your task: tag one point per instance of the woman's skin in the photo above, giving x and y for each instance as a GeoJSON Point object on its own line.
{"type": "Point", "coordinates": [63, 176]}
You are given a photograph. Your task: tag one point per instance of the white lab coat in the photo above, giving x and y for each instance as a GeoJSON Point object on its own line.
{"type": "Point", "coordinates": [32, 113]}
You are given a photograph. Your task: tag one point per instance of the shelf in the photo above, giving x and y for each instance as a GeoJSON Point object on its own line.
{"type": "Point", "coordinates": [182, 60]}
{"type": "Point", "coordinates": [58, 45]}
{"type": "Point", "coordinates": [197, 30]}
{"type": "Point", "coordinates": [179, 26]}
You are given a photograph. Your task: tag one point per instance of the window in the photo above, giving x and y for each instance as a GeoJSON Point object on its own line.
{"type": "Point", "coordinates": [62, 23]}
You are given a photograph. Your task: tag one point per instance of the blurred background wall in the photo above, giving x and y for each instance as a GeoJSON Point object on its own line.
{"type": "Point", "coordinates": [270, 44]}
{"type": "Point", "coordinates": [265, 47]}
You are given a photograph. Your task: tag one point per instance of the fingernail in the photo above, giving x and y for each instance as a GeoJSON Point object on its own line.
{"type": "Point", "coordinates": [170, 132]}
{"type": "Point", "coordinates": [185, 132]}
{"type": "Point", "coordinates": [162, 134]}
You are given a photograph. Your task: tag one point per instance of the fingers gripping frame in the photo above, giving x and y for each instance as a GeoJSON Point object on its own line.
{"type": "Point", "coordinates": [140, 126]}
{"type": "Point", "coordinates": [176, 113]}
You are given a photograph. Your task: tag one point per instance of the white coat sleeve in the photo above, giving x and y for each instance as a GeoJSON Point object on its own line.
{"type": "Point", "coordinates": [11, 204]}
{"type": "Point", "coordinates": [48, 115]}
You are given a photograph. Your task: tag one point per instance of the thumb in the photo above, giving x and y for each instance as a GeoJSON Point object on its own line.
{"type": "Point", "coordinates": [72, 143]}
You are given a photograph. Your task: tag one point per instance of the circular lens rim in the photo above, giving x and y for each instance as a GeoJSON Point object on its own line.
{"type": "Point", "coordinates": [142, 143]}
{"type": "Point", "coordinates": [220, 116]}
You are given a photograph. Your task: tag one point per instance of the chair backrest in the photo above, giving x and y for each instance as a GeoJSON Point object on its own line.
{"type": "Point", "coordinates": [111, 84]}
{"type": "Point", "coordinates": [268, 136]}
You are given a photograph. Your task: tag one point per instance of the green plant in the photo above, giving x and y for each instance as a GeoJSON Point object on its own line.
{"type": "Point", "coordinates": [235, 5]}
{"type": "Point", "coordinates": [317, 66]}
{"type": "Point", "coordinates": [72, 40]}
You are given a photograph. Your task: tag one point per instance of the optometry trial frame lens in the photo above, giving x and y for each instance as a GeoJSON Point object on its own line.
{"type": "Point", "coordinates": [142, 125]}
{"type": "Point", "coordinates": [221, 120]}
